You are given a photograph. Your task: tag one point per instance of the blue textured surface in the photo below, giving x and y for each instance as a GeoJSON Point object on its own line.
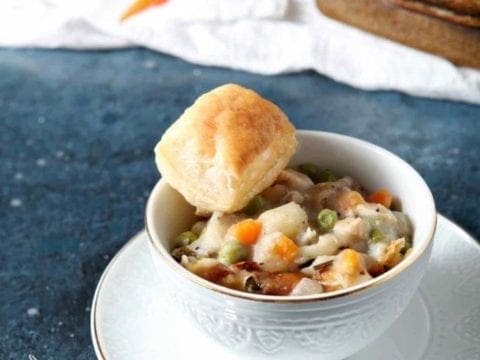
{"type": "Point", "coordinates": [77, 131]}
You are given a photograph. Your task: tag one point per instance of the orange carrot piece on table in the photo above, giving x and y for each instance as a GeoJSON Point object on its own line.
{"type": "Point", "coordinates": [381, 196]}
{"type": "Point", "coordinates": [247, 231]}
{"type": "Point", "coordinates": [139, 6]}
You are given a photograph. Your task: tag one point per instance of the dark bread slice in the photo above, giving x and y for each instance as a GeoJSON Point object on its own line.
{"type": "Point", "coordinates": [459, 44]}
{"type": "Point", "coordinates": [440, 12]}
{"type": "Point", "coordinates": [466, 7]}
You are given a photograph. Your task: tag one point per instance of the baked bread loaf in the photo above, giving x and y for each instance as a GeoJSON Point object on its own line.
{"type": "Point", "coordinates": [227, 147]}
{"type": "Point", "coordinates": [459, 44]}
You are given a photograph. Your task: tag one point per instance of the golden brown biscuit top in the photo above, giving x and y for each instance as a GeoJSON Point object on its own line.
{"type": "Point", "coordinates": [239, 121]}
{"type": "Point", "coordinates": [226, 148]}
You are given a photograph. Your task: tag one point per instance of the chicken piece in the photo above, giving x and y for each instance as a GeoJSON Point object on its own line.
{"type": "Point", "coordinates": [319, 263]}
{"type": "Point", "coordinates": [324, 195]}
{"type": "Point", "coordinates": [289, 219]}
{"type": "Point", "coordinates": [327, 244]}
{"type": "Point", "coordinates": [352, 233]}
{"type": "Point", "coordinates": [268, 283]}
{"type": "Point", "coordinates": [279, 284]}
{"type": "Point", "coordinates": [212, 270]}
{"type": "Point", "coordinates": [346, 201]}
{"type": "Point", "coordinates": [388, 253]}
{"type": "Point", "coordinates": [377, 249]}
{"type": "Point", "coordinates": [381, 218]}
{"type": "Point", "coordinates": [393, 253]}
{"type": "Point", "coordinates": [347, 269]}
{"type": "Point", "coordinates": [306, 237]}
{"type": "Point", "coordinates": [294, 180]}
{"type": "Point", "coordinates": [307, 286]}
{"type": "Point", "coordinates": [212, 237]}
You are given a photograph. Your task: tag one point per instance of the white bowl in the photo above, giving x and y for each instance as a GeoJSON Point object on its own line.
{"type": "Point", "coordinates": [331, 325]}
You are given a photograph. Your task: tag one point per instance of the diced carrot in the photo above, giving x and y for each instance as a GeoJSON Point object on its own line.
{"type": "Point", "coordinates": [285, 248]}
{"type": "Point", "coordinates": [247, 231]}
{"type": "Point", "coordinates": [348, 262]}
{"type": "Point", "coordinates": [349, 199]}
{"type": "Point", "coordinates": [140, 5]}
{"type": "Point", "coordinates": [381, 196]}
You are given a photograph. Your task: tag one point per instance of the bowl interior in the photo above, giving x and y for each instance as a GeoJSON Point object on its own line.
{"type": "Point", "coordinates": [168, 214]}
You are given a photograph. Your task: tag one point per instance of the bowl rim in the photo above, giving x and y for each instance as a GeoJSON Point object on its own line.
{"type": "Point", "coordinates": [362, 287]}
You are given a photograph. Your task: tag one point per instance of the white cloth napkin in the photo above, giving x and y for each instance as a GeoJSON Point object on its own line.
{"type": "Point", "coordinates": [266, 37]}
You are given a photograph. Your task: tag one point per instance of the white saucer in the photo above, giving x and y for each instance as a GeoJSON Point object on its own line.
{"type": "Point", "coordinates": [131, 321]}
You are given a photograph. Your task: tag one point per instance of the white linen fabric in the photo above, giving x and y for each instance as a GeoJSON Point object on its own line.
{"type": "Point", "coordinates": [265, 37]}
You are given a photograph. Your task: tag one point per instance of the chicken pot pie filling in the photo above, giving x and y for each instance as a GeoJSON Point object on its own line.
{"type": "Point", "coordinates": [307, 233]}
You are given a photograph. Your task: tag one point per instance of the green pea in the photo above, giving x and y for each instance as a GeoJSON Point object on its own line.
{"type": "Point", "coordinates": [326, 175]}
{"type": "Point", "coordinates": [232, 252]}
{"type": "Point", "coordinates": [186, 238]}
{"type": "Point", "coordinates": [326, 219]}
{"type": "Point", "coordinates": [376, 236]}
{"type": "Point", "coordinates": [310, 170]}
{"type": "Point", "coordinates": [254, 206]}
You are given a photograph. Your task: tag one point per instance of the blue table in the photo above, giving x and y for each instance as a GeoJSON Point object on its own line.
{"type": "Point", "coordinates": [77, 131]}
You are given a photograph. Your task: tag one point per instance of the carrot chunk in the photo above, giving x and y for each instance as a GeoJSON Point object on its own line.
{"type": "Point", "coordinates": [349, 262]}
{"type": "Point", "coordinates": [285, 248]}
{"type": "Point", "coordinates": [381, 196]}
{"type": "Point", "coordinates": [247, 231]}
{"type": "Point", "coordinates": [349, 199]}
